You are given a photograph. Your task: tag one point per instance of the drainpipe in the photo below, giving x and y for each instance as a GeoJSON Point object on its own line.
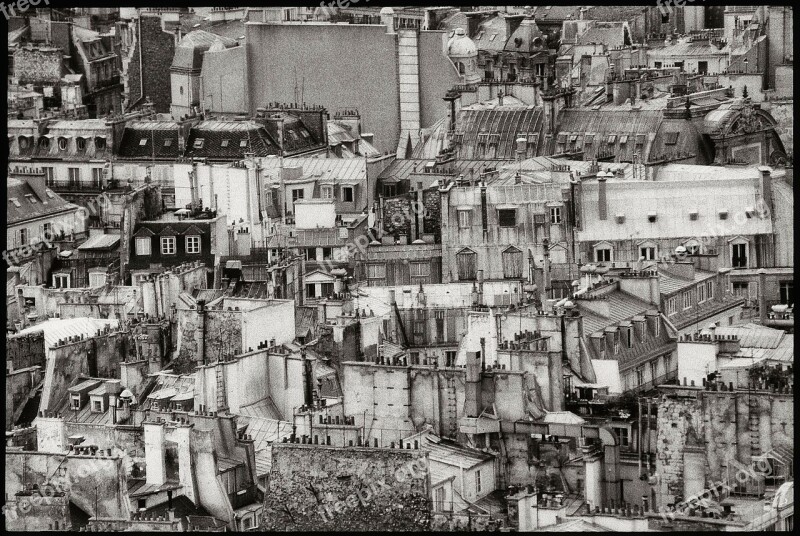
{"type": "Point", "coordinates": [201, 317]}
{"type": "Point", "coordinates": [484, 222]}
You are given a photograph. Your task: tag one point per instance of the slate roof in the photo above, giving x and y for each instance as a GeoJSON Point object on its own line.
{"type": "Point", "coordinates": [62, 328]}
{"type": "Point", "coordinates": [150, 139]}
{"type": "Point", "coordinates": [491, 133]}
{"type": "Point", "coordinates": [491, 35]}
{"type": "Point", "coordinates": [526, 33]}
{"type": "Point", "coordinates": [34, 201]}
{"type": "Point", "coordinates": [230, 140]}
{"type": "Point", "coordinates": [668, 284]}
{"type": "Point", "coordinates": [682, 50]}
{"type": "Point", "coordinates": [622, 306]}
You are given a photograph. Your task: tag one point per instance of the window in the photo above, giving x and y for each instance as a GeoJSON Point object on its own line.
{"type": "Point", "coordinates": [629, 337]}
{"type": "Point", "coordinates": [512, 263]}
{"type": "Point", "coordinates": [602, 255]}
{"type": "Point", "coordinates": [478, 481]}
{"type": "Point", "coordinates": [450, 358]}
{"type": "Point", "coordinates": [74, 176]}
{"type": "Point", "coordinates": [464, 217]}
{"type": "Point", "coordinates": [692, 247]}
{"type": "Point", "coordinates": [347, 194]}
{"type": "Point", "coordinates": [23, 237]}
{"type": "Point", "coordinates": [60, 280]}
{"type": "Point", "coordinates": [616, 343]}
{"type": "Point", "coordinates": [193, 244]}
{"type": "Point", "coordinates": [671, 138]}
{"type": "Point", "coordinates": [143, 246]}
{"type": "Point", "coordinates": [658, 327]}
{"type": "Point", "coordinates": [49, 176]}
{"type": "Point", "coordinates": [224, 143]}
{"type": "Point", "coordinates": [657, 65]}
{"type": "Point", "coordinates": [97, 176]}
{"type": "Point", "coordinates": [555, 215]}
{"type": "Point", "coordinates": [62, 144]}
{"type": "Point", "coordinates": [467, 261]}
{"type": "Point", "coordinates": [100, 143]}
{"type": "Point", "coordinates": [787, 292]}
{"type": "Point", "coordinates": [76, 402]}
{"type": "Point", "coordinates": [243, 143]}
{"type": "Point", "coordinates": [622, 435]}
{"type": "Point", "coordinates": [701, 293]}
{"type": "Point", "coordinates": [439, 497]}
{"type": "Point", "coordinates": [648, 252]}
{"type": "Point", "coordinates": [81, 144]}
{"type": "Point", "coordinates": [326, 290]}
{"type": "Point", "coordinates": [710, 289]}
{"type": "Point", "coordinates": [311, 289]}
{"type": "Point", "coordinates": [168, 142]}
{"type": "Point", "coordinates": [739, 255]}
{"type": "Point", "coordinates": [672, 306]}
{"type": "Point", "coordinates": [507, 217]}
{"type": "Point", "coordinates": [376, 271]}
{"type": "Point", "coordinates": [297, 194]}
{"type": "Point", "coordinates": [420, 269]}
{"type": "Point", "coordinates": [97, 405]}
{"type": "Point", "coordinates": [687, 299]}
{"type": "Point", "coordinates": [142, 142]}
{"type": "Point", "coordinates": [47, 231]}
{"type": "Point", "coordinates": [389, 190]}
{"type": "Point", "coordinates": [327, 192]}
{"type": "Point", "coordinates": [199, 142]}
{"type": "Point", "coordinates": [168, 245]}
{"type": "Point", "coordinates": [639, 376]}
{"type": "Point", "coordinates": [247, 522]}
{"type": "Point", "coordinates": [741, 289]}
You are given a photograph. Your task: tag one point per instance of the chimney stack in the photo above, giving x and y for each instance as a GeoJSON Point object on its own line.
{"type": "Point", "coordinates": [602, 204]}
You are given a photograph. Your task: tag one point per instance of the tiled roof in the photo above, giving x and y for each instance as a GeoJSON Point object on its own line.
{"type": "Point", "coordinates": [28, 201]}
{"type": "Point", "coordinates": [667, 283]}
{"type": "Point", "coordinates": [338, 171]}
{"type": "Point", "coordinates": [671, 202]}
{"type": "Point", "coordinates": [402, 169]}
{"type": "Point", "coordinates": [754, 335]}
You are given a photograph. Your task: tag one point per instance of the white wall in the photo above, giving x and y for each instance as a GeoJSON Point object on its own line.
{"type": "Point", "coordinates": [310, 215]}
{"type": "Point", "coordinates": [695, 361]}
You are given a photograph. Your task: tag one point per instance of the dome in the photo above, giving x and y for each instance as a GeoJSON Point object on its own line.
{"type": "Point", "coordinates": [461, 46]}
{"type": "Point", "coordinates": [387, 11]}
{"type": "Point", "coordinates": [784, 496]}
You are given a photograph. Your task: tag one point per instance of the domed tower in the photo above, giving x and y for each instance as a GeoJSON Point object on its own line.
{"type": "Point", "coordinates": [464, 54]}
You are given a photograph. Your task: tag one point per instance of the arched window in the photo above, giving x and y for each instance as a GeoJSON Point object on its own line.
{"type": "Point", "coordinates": [693, 247]}
{"type": "Point", "coordinates": [461, 68]}
{"type": "Point", "coordinates": [512, 263]}
{"type": "Point", "coordinates": [467, 262]}
{"type": "Point", "coordinates": [23, 142]}
{"type": "Point", "coordinates": [100, 143]}
{"type": "Point", "coordinates": [62, 144]}
{"type": "Point", "coordinates": [81, 143]}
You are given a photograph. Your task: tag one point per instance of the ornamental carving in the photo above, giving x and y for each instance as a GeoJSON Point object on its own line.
{"type": "Point", "coordinates": [748, 121]}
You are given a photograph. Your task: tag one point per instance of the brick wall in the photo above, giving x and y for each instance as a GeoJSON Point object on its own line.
{"type": "Point", "coordinates": [25, 351]}
{"type": "Point", "coordinates": [308, 484]}
{"type": "Point", "coordinates": [396, 215]}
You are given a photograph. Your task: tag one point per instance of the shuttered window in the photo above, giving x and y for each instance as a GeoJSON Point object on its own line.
{"type": "Point", "coordinates": [467, 261]}
{"type": "Point", "coordinates": [512, 263]}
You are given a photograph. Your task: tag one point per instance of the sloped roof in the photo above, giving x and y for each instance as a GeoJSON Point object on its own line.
{"type": "Point", "coordinates": [610, 34]}
{"type": "Point", "coordinates": [622, 306]}
{"type": "Point", "coordinates": [150, 139]}
{"type": "Point", "coordinates": [672, 202]}
{"type": "Point", "coordinates": [492, 133]}
{"type": "Point", "coordinates": [224, 139]}
{"type": "Point", "coordinates": [34, 201]}
{"type": "Point", "coordinates": [189, 51]}
{"type": "Point", "coordinates": [62, 328]}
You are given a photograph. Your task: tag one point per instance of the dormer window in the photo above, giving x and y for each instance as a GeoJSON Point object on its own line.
{"type": "Point", "coordinates": [81, 144]}
{"type": "Point", "coordinates": [62, 144]}
{"type": "Point", "coordinates": [75, 403]}
{"type": "Point", "coordinates": [168, 142]}
{"type": "Point", "coordinates": [693, 215]}
{"type": "Point", "coordinates": [723, 214]}
{"type": "Point", "coordinates": [23, 142]}
{"type": "Point", "coordinates": [199, 142]}
{"type": "Point", "coordinates": [100, 142]}
{"type": "Point", "coordinates": [243, 143]}
{"type": "Point", "coordinates": [671, 138]}
{"type": "Point", "coordinates": [142, 142]}
{"type": "Point", "coordinates": [45, 141]}
{"type": "Point", "coordinates": [651, 217]}
{"type": "Point", "coordinates": [225, 143]}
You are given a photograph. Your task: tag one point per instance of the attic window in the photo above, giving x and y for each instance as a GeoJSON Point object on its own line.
{"type": "Point", "coordinates": [62, 144]}
{"type": "Point", "coordinates": [23, 142]}
{"type": "Point", "coordinates": [45, 142]}
{"type": "Point", "coordinates": [640, 139]}
{"type": "Point", "coordinates": [100, 143]}
{"type": "Point", "coordinates": [574, 137]}
{"type": "Point", "coordinates": [562, 138]}
{"type": "Point", "coordinates": [168, 143]}
{"type": "Point", "coordinates": [651, 217]}
{"type": "Point", "coordinates": [671, 138]}
{"type": "Point", "coordinates": [15, 201]}
{"type": "Point", "coordinates": [620, 218]}
{"type": "Point", "coordinates": [693, 215]}
{"type": "Point", "coordinates": [142, 142]}
{"type": "Point", "coordinates": [749, 212]}
{"type": "Point", "coordinates": [304, 133]}
{"type": "Point", "coordinates": [723, 214]}
{"type": "Point", "coordinates": [198, 143]}
{"type": "Point", "coordinates": [612, 138]}
{"type": "Point", "coordinates": [81, 144]}
{"type": "Point", "coordinates": [243, 143]}
{"type": "Point", "coordinates": [588, 139]}
{"type": "Point", "coordinates": [623, 139]}
{"type": "Point", "coordinates": [480, 35]}
{"type": "Point", "coordinates": [30, 198]}
{"type": "Point", "coordinates": [492, 37]}
{"type": "Point", "coordinates": [224, 143]}
{"type": "Point", "coordinates": [50, 193]}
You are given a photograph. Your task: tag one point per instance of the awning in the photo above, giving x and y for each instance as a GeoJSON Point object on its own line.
{"type": "Point", "coordinates": [104, 241]}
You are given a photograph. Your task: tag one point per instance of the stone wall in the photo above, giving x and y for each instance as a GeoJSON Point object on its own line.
{"type": "Point", "coordinates": [354, 488]}
{"type": "Point", "coordinates": [38, 66]}
{"type": "Point", "coordinates": [157, 50]}
{"type": "Point", "coordinates": [432, 222]}
{"type": "Point", "coordinates": [783, 112]}
{"type": "Point", "coordinates": [731, 427]}
{"type": "Point", "coordinates": [397, 215]}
